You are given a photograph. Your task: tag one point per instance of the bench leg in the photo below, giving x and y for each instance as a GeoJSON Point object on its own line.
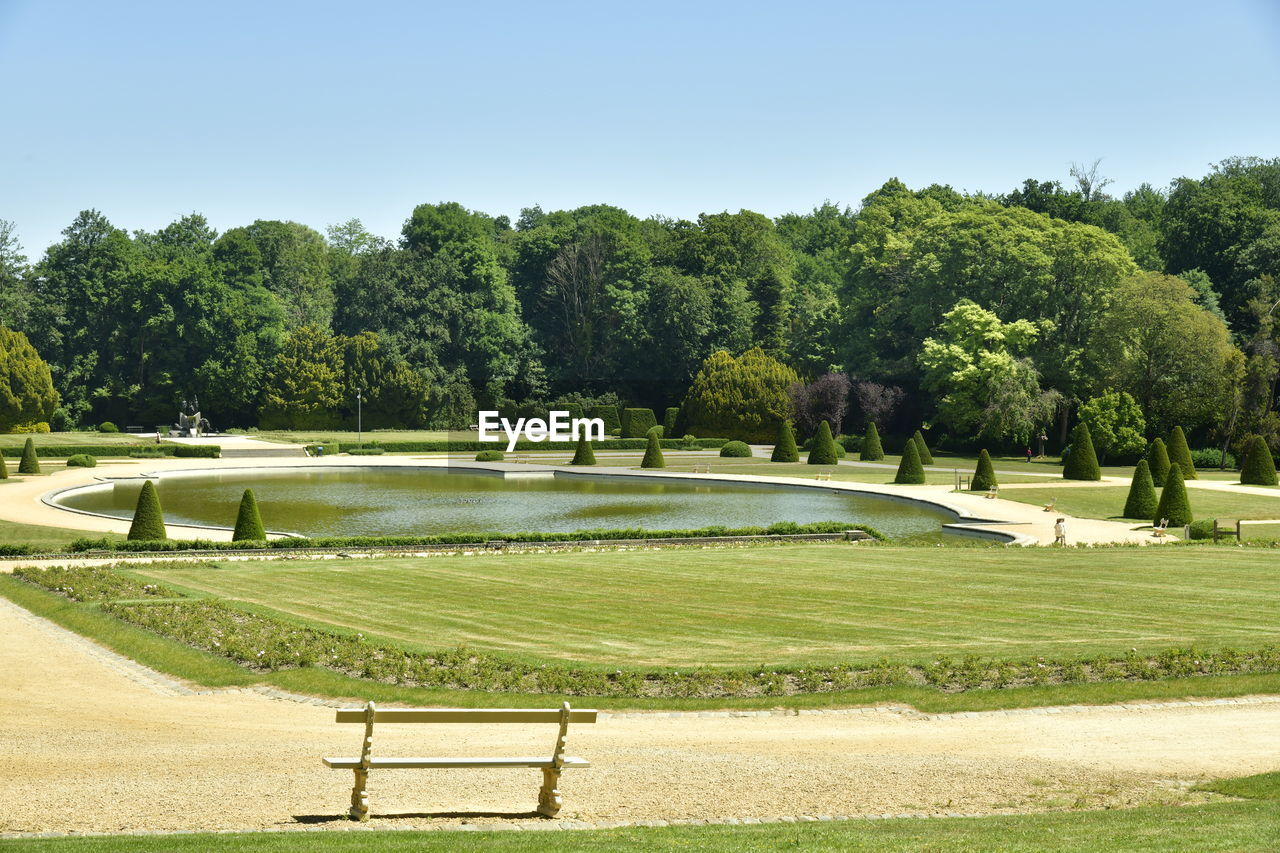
{"type": "Point", "coordinates": [360, 796]}
{"type": "Point", "coordinates": [549, 801]}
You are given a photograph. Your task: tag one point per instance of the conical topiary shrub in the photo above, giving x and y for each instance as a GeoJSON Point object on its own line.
{"type": "Point", "coordinates": [249, 520]}
{"type": "Point", "coordinates": [1142, 500]}
{"type": "Point", "coordinates": [148, 519]}
{"type": "Point", "coordinates": [784, 450]}
{"type": "Point", "coordinates": [1259, 468]}
{"type": "Point", "coordinates": [653, 455]}
{"type": "Point", "coordinates": [30, 463]}
{"type": "Point", "coordinates": [1158, 461]}
{"type": "Point", "coordinates": [4, 468]}
{"type": "Point", "coordinates": [1180, 454]}
{"type": "Point", "coordinates": [926, 458]}
{"type": "Point", "coordinates": [910, 471]}
{"type": "Point", "coordinates": [823, 451]}
{"type": "Point", "coordinates": [1082, 463]}
{"type": "Point", "coordinates": [1174, 504]}
{"type": "Point", "coordinates": [583, 454]}
{"type": "Point", "coordinates": [872, 451]}
{"type": "Point", "coordinates": [984, 476]}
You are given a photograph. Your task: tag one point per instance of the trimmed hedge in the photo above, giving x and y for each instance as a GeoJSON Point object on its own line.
{"type": "Point", "coordinates": [984, 476]}
{"type": "Point", "coordinates": [1142, 500]}
{"type": "Point", "coordinates": [737, 450]}
{"type": "Point", "coordinates": [82, 460]}
{"type": "Point", "coordinates": [1082, 462]}
{"type": "Point", "coordinates": [1180, 453]}
{"type": "Point", "coordinates": [926, 458]}
{"type": "Point", "coordinates": [29, 464]}
{"type": "Point", "coordinates": [196, 451]}
{"type": "Point", "coordinates": [608, 414]}
{"type": "Point", "coordinates": [328, 448]}
{"type": "Point", "coordinates": [122, 450]}
{"type": "Point", "coordinates": [824, 447]}
{"type": "Point", "coordinates": [636, 423]}
{"type": "Point", "coordinates": [653, 454]}
{"type": "Point", "coordinates": [1174, 504]}
{"type": "Point", "coordinates": [148, 518]}
{"type": "Point", "coordinates": [669, 418]}
{"type": "Point", "coordinates": [445, 446]}
{"type": "Point", "coordinates": [366, 451]}
{"type": "Point", "coordinates": [249, 520]}
{"type": "Point", "coordinates": [910, 471]}
{"type": "Point", "coordinates": [490, 456]}
{"type": "Point", "coordinates": [1259, 467]}
{"type": "Point", "coordinates": [1158, 460]}
{"type": "Point", "coordinates": [784, 449]}
{"type": "Point", "coordinates": [872, 451]}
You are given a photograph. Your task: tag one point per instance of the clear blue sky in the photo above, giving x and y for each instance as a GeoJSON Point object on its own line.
{"type": "Point", "coordinates": [319, 112]}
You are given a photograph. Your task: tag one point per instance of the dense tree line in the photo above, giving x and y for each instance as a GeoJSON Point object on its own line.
{"type": "Point", "coordinates": [992, 316]}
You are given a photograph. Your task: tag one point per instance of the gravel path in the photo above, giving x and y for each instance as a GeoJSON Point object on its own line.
{"type": "Point", "coordinates": [89, 742]}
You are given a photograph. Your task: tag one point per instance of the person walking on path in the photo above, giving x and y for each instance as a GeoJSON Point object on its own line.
{"type": "Point", "coordinates": [1060, 532]}
{"type": "Point", "coordinates": [1028, 455]}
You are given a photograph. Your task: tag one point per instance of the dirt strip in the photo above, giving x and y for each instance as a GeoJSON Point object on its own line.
{"type": "Point", "coordinates": [88, 744]}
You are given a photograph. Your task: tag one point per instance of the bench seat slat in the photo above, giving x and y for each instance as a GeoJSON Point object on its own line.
{"type": "Point", "coordinates": [464, 715]}
{"type": "Point", "coordinates": [444, 763]}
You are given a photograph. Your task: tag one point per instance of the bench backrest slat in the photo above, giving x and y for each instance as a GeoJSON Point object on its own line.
{"type": "Point", "coordinates": [464, 715]}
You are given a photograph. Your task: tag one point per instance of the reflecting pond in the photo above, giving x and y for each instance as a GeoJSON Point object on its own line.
{"type": "Point", "coordinates": [384, 501]}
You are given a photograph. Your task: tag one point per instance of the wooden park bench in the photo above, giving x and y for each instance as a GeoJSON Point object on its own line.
{"type": "Point", "coordinates": [1161, 529]}
{"type": "Point", "coordinates": [134, 429]}
{"type": "Point", "coordinates": [549, 801]}
{"type": "Point", "coordinates": [1050, 505]}
{"type": "Point", "coordinates": [702, 469]}
{"type": "Point", "coordinates": [993, 492]}
{"type": "Point", "coordinates": [823, 475]}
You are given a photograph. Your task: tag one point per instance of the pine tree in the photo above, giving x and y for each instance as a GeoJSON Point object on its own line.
{"type": "Point", "coordinates": [1082, 463]}
{"type": "Point", "coordinates": [4, 468]}
{"type": "Point", "coordinates": [872, 451]}
{"type": "Point", "coordinates": [653, 455]}
{"type": "Point", "coordinates": [926, 458]}
{"type": "Point", "coordinates": [1174, 504]}
{"type": "Point", "coordinates": [1142, 500]}
{"type": "Point", "coordinates": [910, 471]}
{"type": "Point", "coordinates": [1259, 468]}
{"type": "Point", "coordinates": [784, 450]}
{"type": "Point", "coordinates": [148, 519]}
{"type": "Point", "coordinates": [1158, 460]}
{"type": "Point", "coordinates": [823, 451]}
{"type": "Point", "coordinates": [249, 520]}
{"type": "Point", "coordinates": [984, 476]}
{"type": "Point", "coordinates": [583, 454]}
{"type": "Point", "coordinates": [1180, 453]}
{"type": "Point", "coordinates": [30, 463]}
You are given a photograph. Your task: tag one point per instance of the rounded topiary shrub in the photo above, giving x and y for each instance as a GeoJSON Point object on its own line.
{"type": "Point", "coordinates": [1158, 461]}
{"type": "Point", "coordinates": [1174, 504]}
{"type": "Point", "coordinates": [1142, 500]}
{"type": "Point", "coordinates": [1180, 453]}
{"type": "Point", "coordinates": [658, 430]}
{"type": "Point", "coordinates": [823, 451]}
{"type": "Point", "coordinates": [735, 449]}
{"type": "Point", "coordinates": [872, 451]}
{"type": "Point", "coordinates": [148, 518]}
{"type": "Point", "coordinates": [910, 471]}
{"type": "Point", "coordinates": [1259, 468]}
{"type": "Point", "coordinates": [784, 449]}
{"type": "Point", "coordinates": [984, 476]}
{"type": "Point", "coordinates": [249, 520]}
{"type": "Point", "coordinates": [30, 463]}
{"type": "Point", "coordinates": [490, 456]}
{"type": "Point", "coordinates": [4, 468]}
{"type": "Point", "coordinates": [81, 460]}
{"type": "Point", "coordinates": [108, 426]}
{"type": "Point", "coordinates": [926, 458]}
{"type": "Point", "coordinates": [653, 455]}
{"type": "Point", "coordinates": [583, 454]}
{"type": "Point", "coordinates": [1082, 462]}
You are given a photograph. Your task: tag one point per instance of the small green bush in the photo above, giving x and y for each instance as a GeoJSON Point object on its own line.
{"type": "Point", "coordinates": [636, 423]}
{"type": "Point", "coordinates": [81, 460]}
{"type": "Point", "coordinates": [4, 468]}
{"type": "Point", "coordinates": [366, 451]}
{"type": "Point", "coordinates": [29, 464]}
{"type": "Point", "coordinates": [1202, 528]}
{"type": "Point", "coordinates": [1158, 461]}
{"type": "Point", "coordinates": [108, 426]}
{"type": "Point", "coordinates": [984, 476]}
{"type": "Point", "coordinates": [1174, 504]}
{"type": "Point", "coordinates": [872, 451]}
{"type": "Point", "coordinates": [148, 518]}
{"type": "Point", "coordinates": [910, 471]}
{"type": "Point", "coordinates": [249, 520]}
{"type": "Point", "coordinates": [1259, 467]}
{"type": "Point", "coordinates": [851, 443]}
{"type": "Point", "coordinates": [926, 458]}
{"type": "Point", "coordinates": [653, 455]}
{"type": "Point", "coordinates": [840, 451]}
{"type": "Point", "coordinates": [583, 454]}
{"type": "Point", "coordinates": [669, 418]}
{"type": "Point", "coordinates": [1180, 453]}
{"type": "Point", "coordinates": [329, 448]}
{"type": "Point", "coordinates": [61, 420]}
{"type": "Point", "coordinates": [824, 447]}
{"type": "Point", "coordinates": [1212, 457]}
{"type": "Point", "coordinates": [784, 449]}
{"type": "Point", "coordinates": [736, 450]}
{"type": "Point", "coordinates": [490, 456]}
{"type": "Point", "coordinates": [1142, 501]}
{"type": "Point", "coordinates": [1082, 462]}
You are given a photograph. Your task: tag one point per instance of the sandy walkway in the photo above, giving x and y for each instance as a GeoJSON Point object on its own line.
{"type": "Point", "coordinates": [88, 744]}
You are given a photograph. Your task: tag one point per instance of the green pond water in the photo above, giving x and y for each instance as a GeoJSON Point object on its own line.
{"type": "Point", "coordinates": [415, 501]}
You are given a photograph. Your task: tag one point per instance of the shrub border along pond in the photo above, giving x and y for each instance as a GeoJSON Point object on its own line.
{"type": "Point", "coordinates": [473, 446]}
{"type": "Point", "coordinates": [182, 451]}
{"type": "Point", "coordinates": [265, 643]}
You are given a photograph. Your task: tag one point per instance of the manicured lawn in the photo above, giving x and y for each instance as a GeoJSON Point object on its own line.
{"type": "Point", "coordinates": [11, 441]}
{"type": "Point", "coordinates": [1108, 501]}
{"type": "Point", "coordinates": [1228, 826]}
{"type": "Point", "coordinates": [792, 604]}
{"type": "Point", "coordinates": [848, 473]}
{"type": "Point", "coordinates": [368, 437]}
{"type": "Point", "coordinates": [39, 536]}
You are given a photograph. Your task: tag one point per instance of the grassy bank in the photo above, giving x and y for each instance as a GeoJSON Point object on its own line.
{"type": "Point", "coordinates": [1108, 502]}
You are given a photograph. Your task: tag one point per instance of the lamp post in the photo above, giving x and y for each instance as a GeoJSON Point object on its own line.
{"type": "Point", "coordinates": [359, 417]}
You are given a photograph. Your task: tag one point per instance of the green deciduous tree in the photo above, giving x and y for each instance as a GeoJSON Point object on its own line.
{"type": "Point", "coordinates": [1116, 425]}
{"type": "Point", "coordinates": [304, 388]}
{"type": "Point", "coordinates": [1142, 501]}
{"type": "Point", "coordinates": [249, 520]}
{"type": "Point", "coordinates": [148, 519]}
